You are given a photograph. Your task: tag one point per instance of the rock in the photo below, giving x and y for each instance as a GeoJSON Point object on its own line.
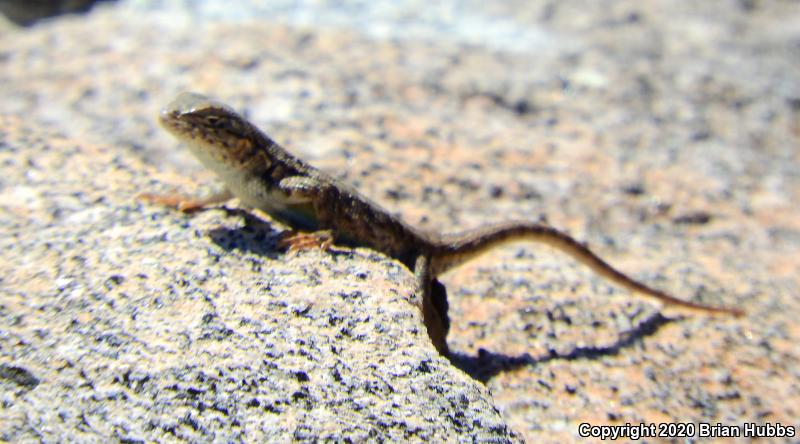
{"type": "Point", "coordinates": [121, 319]}
{"type": "Point", "coordinates": [130, 321]}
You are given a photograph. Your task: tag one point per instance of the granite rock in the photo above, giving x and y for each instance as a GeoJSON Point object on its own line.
{"type": "Point", "coordinates": [665, 136]}
{"type": "Point", "coordinates": [122, 320]}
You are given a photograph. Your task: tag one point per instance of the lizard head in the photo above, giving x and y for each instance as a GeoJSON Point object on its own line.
{"type": "Point", "coordinates": [216, 134]}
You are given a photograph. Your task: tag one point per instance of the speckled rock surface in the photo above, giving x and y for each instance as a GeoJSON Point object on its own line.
{"type": "Point", "coordinates": [665, 136]}
{"type": "Point", "coordinates": [136, 323]}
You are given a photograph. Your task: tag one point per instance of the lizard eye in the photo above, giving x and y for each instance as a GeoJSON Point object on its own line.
{"type": "Point", "coordinates": [218, 122]}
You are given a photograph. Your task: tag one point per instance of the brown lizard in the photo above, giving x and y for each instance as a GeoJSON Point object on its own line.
{"type": "Point", "coordinates": [263, 175]}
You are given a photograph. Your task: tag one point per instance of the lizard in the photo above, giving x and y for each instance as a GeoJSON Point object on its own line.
{"type": "Point", "coordinates": [266, 177]}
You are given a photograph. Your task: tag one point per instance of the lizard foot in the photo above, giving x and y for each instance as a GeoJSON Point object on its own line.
{"type": "Point", "coordinates": [294, 241]}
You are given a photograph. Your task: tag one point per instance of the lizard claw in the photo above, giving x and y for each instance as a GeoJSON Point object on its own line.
{"type": "Point", "coordinates": [294, 241]}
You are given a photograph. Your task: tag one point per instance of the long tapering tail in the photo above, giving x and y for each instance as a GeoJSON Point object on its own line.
{"type": "Point", "coordinates": [453, 250]}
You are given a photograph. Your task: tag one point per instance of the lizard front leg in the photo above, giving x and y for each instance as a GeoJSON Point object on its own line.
{"type": "Point", "coordinates": [305, 190]}
{"type": "Point", "coordinates": [186, 204]}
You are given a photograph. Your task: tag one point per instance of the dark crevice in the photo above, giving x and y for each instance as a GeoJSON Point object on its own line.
{"type": "Point", "coordinates": [19, 376]}
{"type": "Point", "coordinates": [520, 107]}
{"type": "Point", "coordinates": [693, 218]}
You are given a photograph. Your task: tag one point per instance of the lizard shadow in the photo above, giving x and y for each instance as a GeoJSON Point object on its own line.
{"type": "Point", "coordinates": [256, 236]}
{"type": "Point", "coordinates": [486, 364]}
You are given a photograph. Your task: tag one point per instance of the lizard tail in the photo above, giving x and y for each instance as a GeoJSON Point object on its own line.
{"type": "Point", "coordinates": [454, 250]}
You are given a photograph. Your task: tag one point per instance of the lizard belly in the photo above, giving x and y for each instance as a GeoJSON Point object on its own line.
{"type": "Point", "coordinates": [302, 217]}
{"type": "Point", "coordinates": [297, 213]}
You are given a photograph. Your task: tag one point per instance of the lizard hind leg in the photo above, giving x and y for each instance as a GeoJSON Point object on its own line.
{"type": "Point", "coordinates": [432, 299]}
